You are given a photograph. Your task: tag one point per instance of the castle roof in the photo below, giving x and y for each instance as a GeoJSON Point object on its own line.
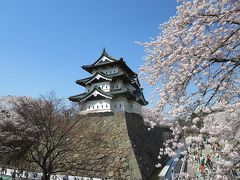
{"type": "Point", "coordinates": [106, 60]}
{"type": "Point", "coordinates": [100, 77]}
{"type": "Point", "coordinates": [97, 93]}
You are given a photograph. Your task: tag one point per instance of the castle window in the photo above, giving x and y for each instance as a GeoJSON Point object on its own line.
{"type": "Point", "coordinates": [117, 86]}
{"type": "Point", "coordinates": [131, 106]}
{"type": "Point", "coordinates": [110, 72]}
{"type": "Point", "coordinates": [102, 87]}
{"type": "Point", "coordinates": [106, 105]}
{"type": "Point", "coordinates": [97, 107]}
{"type": "Point", "coordinates": [114, 71]}
{"type": "Point", "coordinates": [120, 105]}
{"type": "Point", "coordinates": [106, 87]}
{"type": "Point", "coordinates": [106, 72]}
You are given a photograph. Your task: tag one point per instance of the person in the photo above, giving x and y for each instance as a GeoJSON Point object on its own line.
{"type": "Point", "coordinates": [217, 157]}
{"type": "Point", "coordinates": [20, 172]}
{"type": "Point", "coordinates": [17, 172]}
{"type": "Point", "coordinates": [173, 176]}
{"type": "Point", "coordinates": [209, 162]}
{"type": "Point", "coordinates": [76, 178]}
{"type": "Point", "coordinates": [65, 177]}
{"type": "Point", "coordinates": [13, 174]}
{"type": "Point", "coordinates": [54, 177]}
{"type": "Point", "coordinates": [201, 148]}
{"type": "Point", "coordinates": [202, 160]}
{"type": "Point", "coordinates": [34, 175]}
{"type": "Point", "coordinates": [26, 174]}
{"type": "Point", "coordinates": [3, 170]}
{"type": "Point", "coordinates": [202, 169]}
{"type": "Point", "coordinates": [197, 159]}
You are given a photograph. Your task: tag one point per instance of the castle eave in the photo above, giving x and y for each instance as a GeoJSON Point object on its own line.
{"type": "Point", "coordinates": [77, 98]}
{"type": "Point", "coordinates": [121, 62]}
{"type": "Point", "coordinates": [86, 96]}
{"type": "Point", "coordinates": [101, 77]}
{"type": "Point", "coordinates": [98, 94]}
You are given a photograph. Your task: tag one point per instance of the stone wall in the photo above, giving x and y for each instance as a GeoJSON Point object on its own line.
{"type": "Point", "coordinates": [146, 144]}
{"type": "Point", "coordinates": [117, 146]}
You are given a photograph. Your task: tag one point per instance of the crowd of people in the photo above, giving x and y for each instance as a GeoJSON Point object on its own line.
{"type": "Point", "coordinates": [17, 174]}
{"type": "Point", "coordinates": [204, 161]}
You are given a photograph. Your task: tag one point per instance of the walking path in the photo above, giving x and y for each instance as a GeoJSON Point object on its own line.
{"type": "Point", "coordinates": [194, 164]}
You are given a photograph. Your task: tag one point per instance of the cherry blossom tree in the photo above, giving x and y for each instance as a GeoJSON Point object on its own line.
{"type": "Point", "coordinates": [194, 68]}
{"type": "Point", "coordinates": [40, 132]}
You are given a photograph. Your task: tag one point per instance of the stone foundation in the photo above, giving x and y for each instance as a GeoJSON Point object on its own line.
{"type": "Point", "coordinates": [118, 146]}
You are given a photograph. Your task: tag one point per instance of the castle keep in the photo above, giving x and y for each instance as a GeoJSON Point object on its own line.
{"type": "Point", "coordinates": [113, 87]}
{"type": "Point", "coordinates": [113, 140]}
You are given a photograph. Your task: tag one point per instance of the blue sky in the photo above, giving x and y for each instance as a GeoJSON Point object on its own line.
{"type": "Point", "coordinates": [43, 44]}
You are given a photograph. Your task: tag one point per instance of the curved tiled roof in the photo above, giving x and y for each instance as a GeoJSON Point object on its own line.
{"type": "Point", "coordinates": [84, 81]}
{"type": "Point", "coordinates": [84, 96]}
{"type": "Point", "coordinates": [137, 95]}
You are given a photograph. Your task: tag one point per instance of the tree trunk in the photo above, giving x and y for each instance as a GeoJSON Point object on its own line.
{"type": "Point", "coordinates": [46, 175]}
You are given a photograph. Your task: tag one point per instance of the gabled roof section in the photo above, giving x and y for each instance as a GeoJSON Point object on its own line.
{"type": "Point", "coordinates": [107, 60]}
{"type": "Point", "coordinates": [121, 63]}
{"type": "Point", "coordinates": [104, 77]}
{"type": "Point", "coordinates": [97, 76]}
{"type": "Point", "coordinates": [104, 58]}
{"type": "Point", "coordinates": [82, 82]}
{"type": "Point", "coordinates": [95, 92]}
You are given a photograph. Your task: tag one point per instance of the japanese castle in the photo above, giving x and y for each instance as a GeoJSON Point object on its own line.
{"type": "Point", "coordinates": [112, 87]}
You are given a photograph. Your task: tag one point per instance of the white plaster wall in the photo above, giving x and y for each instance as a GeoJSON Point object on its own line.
{"type": "Point", "coordinates": [105, 86]}
{"type": "Point", "coordinates": [118, 104]}
{"type": "Point", "coordinates": [110, 70]}
{"type": "Point", "coordinates": [136, 107]}
{"type": "Point", "coordinates": [126, 105]}
{"type": "Point", "coordinates": [133, 107]}
{"type": "Point", "coordinates": [107, 70]}
{"type": "Point", "coordinates": [97, 106]}
{"type": "Point", "coordinates": [117, 85]}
